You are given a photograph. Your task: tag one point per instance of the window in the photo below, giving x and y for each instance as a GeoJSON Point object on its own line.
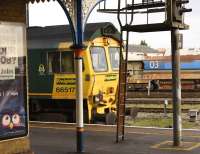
{"type": "Point", "coordinates": [98, 59]}
{"type": "Point", "coordinates": [114, 57]}
{"type": "Point", "coordinates": [60, 62]}
{"type": "Point", "coordinates": [67, 62]}
{"type": "Point", "coordinates": [54, 62]}
{"type": "Point", "coordinates": [135, 67]}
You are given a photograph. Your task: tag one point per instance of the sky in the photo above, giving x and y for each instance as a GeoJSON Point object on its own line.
{"type": "Point", "coordinates": [45, 14]}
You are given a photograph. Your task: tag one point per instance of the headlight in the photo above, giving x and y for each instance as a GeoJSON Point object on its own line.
{"type": "Point", "coordinates": [98, 98]}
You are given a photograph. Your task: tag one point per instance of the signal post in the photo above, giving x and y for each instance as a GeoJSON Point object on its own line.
{"type": "Point", "coordinates": [176, 81]}
{"type": "Point", "coordinates": [176, 12]}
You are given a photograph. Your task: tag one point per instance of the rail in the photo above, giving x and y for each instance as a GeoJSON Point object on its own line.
{"type": "Point", "coordinates": [130, 100]}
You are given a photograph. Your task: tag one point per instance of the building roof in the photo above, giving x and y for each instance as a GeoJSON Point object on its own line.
{"type": "Point", "coordinates": [167, 58]}
{"type": "Point", "coordinates": [142, 48]}
{"type": "Point", "coordinates": [50, 36]}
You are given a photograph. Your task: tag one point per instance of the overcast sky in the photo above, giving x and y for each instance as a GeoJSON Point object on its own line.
{"type": "Point", "coordinates": [44, 14]}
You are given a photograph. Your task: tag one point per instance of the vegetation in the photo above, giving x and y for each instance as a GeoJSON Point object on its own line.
{"type": "Point", "coordinates": [161, 122]}
{"type": "Point", "coordinates": [143, 42]}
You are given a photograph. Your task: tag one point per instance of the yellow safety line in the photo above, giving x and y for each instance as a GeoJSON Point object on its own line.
{"type": "Point", "coordinates": [194, 147]}
{"type": "Point", "coordinates": [157, 146]}
{"type": "Point", "coordinates": [145, 133]}
{"type": "Point", "coordinates": [162, 134]}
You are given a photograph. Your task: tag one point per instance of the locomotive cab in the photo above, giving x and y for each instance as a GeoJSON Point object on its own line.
{"type": "Point", "coordinates": [135, 77]}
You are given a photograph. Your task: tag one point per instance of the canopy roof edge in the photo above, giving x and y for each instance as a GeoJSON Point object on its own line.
{"type": "Point", "coordinates": [38, 1]}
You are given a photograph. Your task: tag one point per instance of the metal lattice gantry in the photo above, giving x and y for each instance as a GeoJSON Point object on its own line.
{"type": "Point", "coordinates": [173, 11]}
{"type": "Point", "coordinates": [129, 12]}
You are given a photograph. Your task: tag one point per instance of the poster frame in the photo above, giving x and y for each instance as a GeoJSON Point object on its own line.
{"type": "Point", "coordinates": [25, 83]}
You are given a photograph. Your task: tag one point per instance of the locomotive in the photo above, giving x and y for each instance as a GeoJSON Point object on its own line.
{"type": "Point", "coordinates": [52, 90]}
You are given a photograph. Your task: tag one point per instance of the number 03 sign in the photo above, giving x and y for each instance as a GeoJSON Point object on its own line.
{"type": "Point", "coordinates": [153, 64]}
{"type": "Point", "coordinates": [13, 91]}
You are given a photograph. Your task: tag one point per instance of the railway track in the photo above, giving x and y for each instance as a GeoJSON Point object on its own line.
{"type": "Point", "coordinates": [162, 94]}
{"type": "Point", "coordinates": [153, 110]}
{"type": "Point", "coordinates": [160, 100]}
{"type": "Point", "coordinates": [154, 103]}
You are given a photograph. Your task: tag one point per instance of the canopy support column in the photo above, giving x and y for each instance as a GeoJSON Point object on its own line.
{"type": "Point", "coordinates": [79, 83]}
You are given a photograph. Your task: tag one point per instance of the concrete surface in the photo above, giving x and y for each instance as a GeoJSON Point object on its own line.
{"type": "Point", "coordinates": [100, 141]}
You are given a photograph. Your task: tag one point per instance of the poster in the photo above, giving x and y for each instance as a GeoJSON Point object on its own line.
{"type": "Point", "coordinates": [13, 92]}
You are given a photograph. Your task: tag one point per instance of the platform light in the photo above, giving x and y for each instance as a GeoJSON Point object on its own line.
{"type": "Point", "coordinates": [175, 11]}
{"type": "Point", "coordinates": [179, 10]}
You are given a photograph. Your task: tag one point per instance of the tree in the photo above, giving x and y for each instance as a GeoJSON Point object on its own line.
{"type": "Point", "coordinates": [143, 42]}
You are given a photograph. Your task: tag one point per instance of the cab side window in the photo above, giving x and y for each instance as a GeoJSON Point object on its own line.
{"type": "Point", "coordinates": [67, 62]}
{"type": "Point", "coordinates": [54, 62]}
{"type": "Point", "coordinates": [98, 57]}
{"type": "Point", "coordinates": [60, 62]}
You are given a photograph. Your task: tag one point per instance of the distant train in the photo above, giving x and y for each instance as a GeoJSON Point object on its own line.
{"type": "Point", "coordinates": [154, 73]}
{"type": "Point", "coordinates": [52, 77]}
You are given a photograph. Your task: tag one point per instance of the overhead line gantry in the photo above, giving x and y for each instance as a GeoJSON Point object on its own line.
{"type": "Point", "coordinates": [173, 11]}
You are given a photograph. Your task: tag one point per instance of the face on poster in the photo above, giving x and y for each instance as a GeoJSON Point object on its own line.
{"type": "Point", "coordinates": [13, 93]}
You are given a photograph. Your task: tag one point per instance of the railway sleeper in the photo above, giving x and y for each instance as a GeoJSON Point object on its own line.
{"type": "Point", "coordinates": [153, 110]}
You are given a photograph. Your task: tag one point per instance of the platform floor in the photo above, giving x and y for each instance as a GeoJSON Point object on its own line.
{"type": "Point", "coordinates": [100, 140]}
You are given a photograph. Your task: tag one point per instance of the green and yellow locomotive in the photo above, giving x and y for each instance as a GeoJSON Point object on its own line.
{"type": "Point", "coordinates": [52, 77]}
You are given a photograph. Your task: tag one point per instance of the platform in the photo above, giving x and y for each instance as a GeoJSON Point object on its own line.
{"type": "Point", "coordinates": [101, 140]}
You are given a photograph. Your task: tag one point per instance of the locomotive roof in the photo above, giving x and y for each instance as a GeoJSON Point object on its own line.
{"type": "Point", "coordinates": [50, 36]}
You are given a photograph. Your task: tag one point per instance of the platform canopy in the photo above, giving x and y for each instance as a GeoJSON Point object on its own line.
{"type": "Point", "coordinates": [32, 1]}
{"type": "Point", "coordinates": [15, 10]}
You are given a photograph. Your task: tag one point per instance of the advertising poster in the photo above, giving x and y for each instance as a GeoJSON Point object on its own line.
{"type": "Point", "coordinates": [13, 92]}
